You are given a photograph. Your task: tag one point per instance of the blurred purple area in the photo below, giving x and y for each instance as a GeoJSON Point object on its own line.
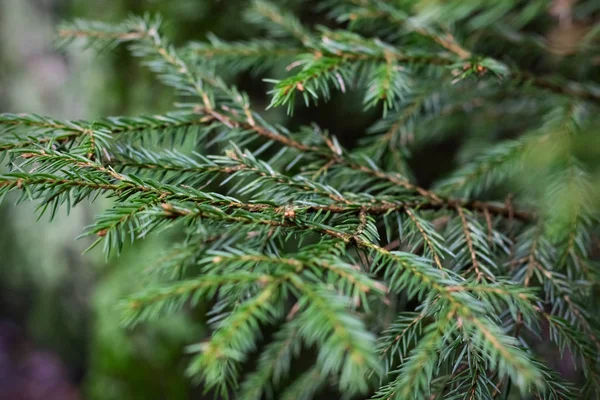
{"type": "Point", "coordinates": [28, 373]}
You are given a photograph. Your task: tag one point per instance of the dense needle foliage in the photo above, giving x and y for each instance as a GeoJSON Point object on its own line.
{"type": "Point", "coordinates": [397, 291]}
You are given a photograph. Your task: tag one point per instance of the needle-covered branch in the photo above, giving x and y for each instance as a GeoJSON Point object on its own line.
{"type": "Point", "coordinates": [394, 290]}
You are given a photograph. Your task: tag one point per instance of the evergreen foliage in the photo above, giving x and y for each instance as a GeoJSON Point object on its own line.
{"type": "Point", "coordinates": [400, 291]}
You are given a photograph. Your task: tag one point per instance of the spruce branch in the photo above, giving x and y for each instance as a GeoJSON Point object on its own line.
{"type": "Point", "coordinates": [306, 386]}
{"type": "Point", "coordinates": [402, 335]}
{"type": "Point", "coordinates": [234, 337]}
{"type": "Point", "coordinates": [278, 21]}
{"type": "Point", "coordinates": [430, 237]}
{"type": "Point", "coordinates": [274, 363]}
{"type": "Point", "coordinates": [147, 304]}
{"type": "Point", "coordinates": [395, 289]}
{"type": "Point", "coordinates": [331, 151]}
{"type": "Point", "coordinates": [404, 281]}
{"type": "Point", "coordinates": [322, 319]}
{"type": "Point", "coordinates": [254, 55]}
{"type": "Point", "coordinates": [357, 11]}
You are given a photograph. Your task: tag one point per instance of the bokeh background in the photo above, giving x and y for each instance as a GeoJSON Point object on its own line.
{"type": "Point", "coordinates": [60, 336]}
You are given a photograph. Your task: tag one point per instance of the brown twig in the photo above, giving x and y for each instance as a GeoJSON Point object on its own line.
{"type": "Point", "coordinates": [467, 234]}
{"type": "Point", "coordinates": [425, 237]}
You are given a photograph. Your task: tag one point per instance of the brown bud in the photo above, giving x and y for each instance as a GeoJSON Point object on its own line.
{"type": "Point", "coordinates": [102, 233]}
{"type": "Point", "coordinates": [134, 304]}
{"type": "Point", "coordinates": [380, 286]}
{"type": "Point", "coordinates": [231, 154]}
{"type": "Point", "coordinates": [293, 311]}
{"type": "Point", "coordinates": [168, 209]}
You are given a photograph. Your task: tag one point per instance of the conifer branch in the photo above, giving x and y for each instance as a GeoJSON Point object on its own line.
{"type": "Point", "coordinates": [467, 234]}
{"type": "Point", "coordinates": [233, 338]}
{"type": "Point", "coordinates": [145, 305]}
{"type": "Point", "coordinates": [274, 363]}
{"type": "Point", "coordinates": [428, 237]}
{"type": "Point", "coordinates": [326, 247]}
{"type": "Point", "coordinates": [377, 10]}
{"type": "Point", "coordinates": [305, 386]}
{"type": "Point", "coordinates": [333, 156]}
{"type": "Point", "coordinates": [401, 336]}
{"type": "Point", "coordinates": [280, 21]}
